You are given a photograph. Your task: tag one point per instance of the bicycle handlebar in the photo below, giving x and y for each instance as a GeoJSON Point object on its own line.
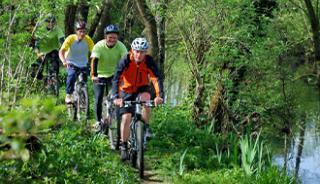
{"type": "Point", "coordinates": [148, 103]}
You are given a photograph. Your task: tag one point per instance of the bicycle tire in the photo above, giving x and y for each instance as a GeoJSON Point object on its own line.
{"type": "Point", "coordinates": [139, 146]}
{"type": "Point", "coordinates": [82, 104]}
{"type": "Point", "coordinates": [72, 111]}
{"type": "Point", "coordinates": [113, 123]}
{"type": "Point", "coordinates": [118, 120]}
{"type": "Point", "coordinates": [111, 120]}
{"type": "Point", "coordinates": [56, 87]}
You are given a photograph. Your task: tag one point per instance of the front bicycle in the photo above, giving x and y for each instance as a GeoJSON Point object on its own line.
{"type": "Point", "coordinates": [136, 139]}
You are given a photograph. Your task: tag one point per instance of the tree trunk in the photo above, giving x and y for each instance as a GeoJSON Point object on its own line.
{"type": "Point", "coordinates": [104, 20]}
{"type": "Point", "coordinates": [126, 35]}
{"type": "Point", "coordinates": [160, 19]}
{"type": "Point", "coordinates": [95, 23]}
{"type": "Point", "coordinates": [150, 24]}
{"type": "Point", "coordinates": [198, 106]}
{"type": "Point", "coordinates": [83, 10]}
{"type": "Point", "coordinates": [314, 21]}
{"type": "Point", "coordinates": [70, 17]}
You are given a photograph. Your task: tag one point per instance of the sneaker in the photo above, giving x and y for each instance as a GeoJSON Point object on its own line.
{"type": "Point", "coordinates": [68, 99]}
{"type": "Point", "coordinates": [148, 133]}
{"type": "Point", "coordinates": [98, 127]}
{"type": "Point", "coordinates": [123, 152]}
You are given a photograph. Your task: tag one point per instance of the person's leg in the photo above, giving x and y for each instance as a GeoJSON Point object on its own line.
{"type": "Point", "coordinates": [146, 112]}
{"type": "Point", "coordinates": [144, 95]}
{"type": "Point", "coordinates": [53, 61]}
{"type": "Point", "coordinates": [85, 73]}
{"type": "Point", "coordinates": [71, 79]}
{"type": "Point", "coordinates": [126, 116]}
{"type": "Point", "coordinates": [125, 126]}
{"type": "Point", "coordinates": [98, 94]}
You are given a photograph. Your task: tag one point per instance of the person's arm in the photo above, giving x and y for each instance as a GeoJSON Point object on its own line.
{"type": "Point", "coordinates": [155, 77]}
{"type": "Point", "coordinates": [61, 40]}
{"type": "Point", "coordinates": [65, 46]}
{"type": "Point", "coordinates": [62, 57]}
{"type": "Point", "coordinates": [156, 80]}
{"type": "Point", "coordinates": [60, 35]}
{"type": "Point", "coordinates": [94, 68]}
{"type": "Point", "coordinates": [37, 50]}
{"type": "Point", "coordinates": [95, 55]}
{"type": "Point", "coordinates": [116, 78]}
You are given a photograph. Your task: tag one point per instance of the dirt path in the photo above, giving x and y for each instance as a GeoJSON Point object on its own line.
{"type": "Point", "coordinates": [151, 177]}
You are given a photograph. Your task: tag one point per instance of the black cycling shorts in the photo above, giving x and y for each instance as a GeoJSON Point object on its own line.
{"type": "Point", "coordinates": [131, 97]}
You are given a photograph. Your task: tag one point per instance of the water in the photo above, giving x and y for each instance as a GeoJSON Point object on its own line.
{"type": "Point", "coordinates": [304, 163]}
{"type": "Point", "coordinates": [300, 153]}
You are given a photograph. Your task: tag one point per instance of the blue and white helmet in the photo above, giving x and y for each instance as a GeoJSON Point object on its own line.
{"type": "Point", "coordinates": [111, 28]}
{"type": "Point", "coordinates": [140, 44]}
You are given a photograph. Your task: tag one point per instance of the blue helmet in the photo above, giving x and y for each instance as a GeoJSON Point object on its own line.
{"type": "Point", "coordinates": [140, 44]}
{"type": "Point", "coordinates": [111, 28]}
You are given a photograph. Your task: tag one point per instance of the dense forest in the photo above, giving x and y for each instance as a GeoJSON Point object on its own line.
{"type": "Point", "coordinates": [242, 93]}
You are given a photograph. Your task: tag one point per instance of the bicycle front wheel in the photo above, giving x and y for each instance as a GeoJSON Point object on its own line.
{"type": "Point", "coordinates": [140, 152]}
{"type": "Point", "coordinates": [82, 104]}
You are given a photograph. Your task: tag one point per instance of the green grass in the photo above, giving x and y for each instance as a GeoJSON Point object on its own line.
{"type": "Point", "coordinates": [178, 153]}
{"type": "Point", "coordinates": [70, 154]}
{"type": "Point", "coordinates": [182, 153]}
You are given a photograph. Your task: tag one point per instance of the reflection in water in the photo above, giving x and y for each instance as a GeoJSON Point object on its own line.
{"type": "Point", "coordinates": [285, 152]}
{"type": "Point", "coordinates": [302, 155]}
{"type": "Point", "coordinates": [300, 147]}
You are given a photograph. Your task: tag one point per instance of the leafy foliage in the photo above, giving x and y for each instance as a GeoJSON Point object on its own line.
{"type": "Point", "coordinates": [69, 154]}
{"type": "Point", "coordinates": [29, 118]}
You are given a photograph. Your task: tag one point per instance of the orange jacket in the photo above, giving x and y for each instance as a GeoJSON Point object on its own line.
{"type": "Point", "coordinates": [129, 76]}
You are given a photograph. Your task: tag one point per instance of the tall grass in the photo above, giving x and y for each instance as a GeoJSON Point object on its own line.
{"type": "Point", "coordinates": [182, 166]}
{"type": "Point", "coordinates": [254, 154]}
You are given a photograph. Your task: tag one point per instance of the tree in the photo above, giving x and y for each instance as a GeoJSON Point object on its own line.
{"type": "Point", "coordinates": [105, 18]}
{"type": "Point", "coordinates": [313, 15]}
{"type": "Point", "coordinates": [150, 24]}
{"type": "Point", "coordinates": [70, 17]}
{"type": "Point", "coordinates": [161, 8]}
{"type": "Point", "coordinates": [83, 9]}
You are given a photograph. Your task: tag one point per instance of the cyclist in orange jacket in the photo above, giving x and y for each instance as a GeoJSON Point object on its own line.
{"type": "Point", "coordinates": [131, 80]}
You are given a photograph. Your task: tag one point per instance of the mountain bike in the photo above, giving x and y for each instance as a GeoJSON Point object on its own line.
{"type": "Point", "coordinates": [79, 108]}
{"type": "Point", "coordinates": [111, 118]}
{"type": "Point", "coordinates": [136, 139]}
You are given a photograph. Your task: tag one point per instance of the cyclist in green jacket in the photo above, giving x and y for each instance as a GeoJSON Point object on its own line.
{"type": "Point", "coordinates": [48, 41]}
{"type": "Point", "coordinates": [105, 56]}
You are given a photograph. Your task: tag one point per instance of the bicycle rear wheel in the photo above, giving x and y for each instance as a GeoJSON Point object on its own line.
{"type": "Point", "coordinates": [82, 104]}
{"type": "Point", "coordinates": [139, 146]}
{"type": "Point", "coordinates": [52, 85]}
